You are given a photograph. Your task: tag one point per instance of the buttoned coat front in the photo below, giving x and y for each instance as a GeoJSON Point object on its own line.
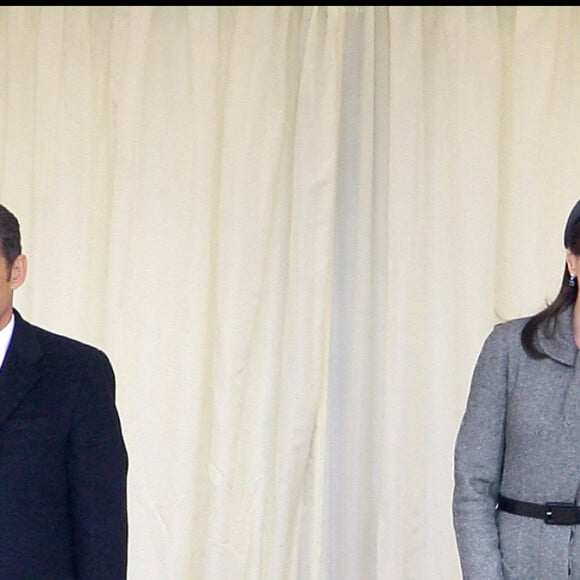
{"type": "Point", "coordinates": [519, 436]}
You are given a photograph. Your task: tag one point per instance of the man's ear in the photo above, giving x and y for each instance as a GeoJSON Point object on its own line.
{"type": "Point", "coordinates": [18, 271]}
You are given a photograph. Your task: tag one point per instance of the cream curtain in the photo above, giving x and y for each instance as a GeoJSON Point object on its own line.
{"type": "Point", "coordinates": [291, 228]}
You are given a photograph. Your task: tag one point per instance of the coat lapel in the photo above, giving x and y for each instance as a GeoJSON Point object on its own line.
{"type": "Point", "coordinates": [20, 370]}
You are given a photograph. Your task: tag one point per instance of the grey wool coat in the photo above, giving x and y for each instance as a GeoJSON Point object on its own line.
{"type": "Point", "coordinates": [519, 436]}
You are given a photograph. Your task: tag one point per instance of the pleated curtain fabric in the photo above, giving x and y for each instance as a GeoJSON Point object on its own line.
{"type": "Point", "coordinates": [291, 228]}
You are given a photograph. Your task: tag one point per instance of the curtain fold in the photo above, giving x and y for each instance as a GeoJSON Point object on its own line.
{"type": "Point", "coordinates": [291, 228]}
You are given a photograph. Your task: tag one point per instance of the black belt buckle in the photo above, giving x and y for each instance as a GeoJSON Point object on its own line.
{"type": "Point", "coordinates": [558, 513]}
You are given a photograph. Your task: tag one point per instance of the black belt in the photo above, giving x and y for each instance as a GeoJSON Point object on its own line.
{"type": "Point", "coordinates": [558, 513]}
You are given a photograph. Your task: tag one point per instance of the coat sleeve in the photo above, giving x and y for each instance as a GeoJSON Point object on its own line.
{"type": "Point", "coordinates": [97, 472]}
{"type": "Point", "coordinates": [479, 452]}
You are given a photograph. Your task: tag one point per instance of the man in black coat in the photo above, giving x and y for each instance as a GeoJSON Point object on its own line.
{"type": "Point", "coordinates": [63, 461]}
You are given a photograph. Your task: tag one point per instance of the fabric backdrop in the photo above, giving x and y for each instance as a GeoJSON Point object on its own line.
{"type": "Point", "coordinates": [291, 228]}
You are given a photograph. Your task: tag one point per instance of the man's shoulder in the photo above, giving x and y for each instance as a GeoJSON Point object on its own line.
{"type": "Point", "coordinates": [59, 342]}
{"type": "Point", "coordinates": [57, 345]}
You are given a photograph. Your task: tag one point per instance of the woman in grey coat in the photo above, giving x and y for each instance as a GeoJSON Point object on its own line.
{"type": "Point", "coordinates": [517, 454]}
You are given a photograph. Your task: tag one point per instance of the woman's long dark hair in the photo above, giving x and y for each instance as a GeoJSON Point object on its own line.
{"type": "Point", "coordinates": [566, 297]}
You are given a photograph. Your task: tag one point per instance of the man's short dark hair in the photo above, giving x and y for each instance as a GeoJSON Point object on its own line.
{"type": "Point", "coordinates": [9, 235]}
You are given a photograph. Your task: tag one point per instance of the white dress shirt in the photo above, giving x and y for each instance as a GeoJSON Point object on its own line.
{"type": "Point", "coordinates": [5, 336]}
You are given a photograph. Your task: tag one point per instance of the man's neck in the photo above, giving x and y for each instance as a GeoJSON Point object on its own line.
{"type": "Point", "coordinates": [5, 317]}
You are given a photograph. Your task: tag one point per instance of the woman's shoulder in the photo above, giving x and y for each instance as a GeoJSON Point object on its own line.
{"type": "Point", "coordinates": [511, 326]}
{"type": "Point", "coordinates": [508, 332]}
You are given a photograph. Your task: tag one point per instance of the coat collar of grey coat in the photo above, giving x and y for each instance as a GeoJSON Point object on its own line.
{"type": "Point", "coordinates": [557, 339]}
